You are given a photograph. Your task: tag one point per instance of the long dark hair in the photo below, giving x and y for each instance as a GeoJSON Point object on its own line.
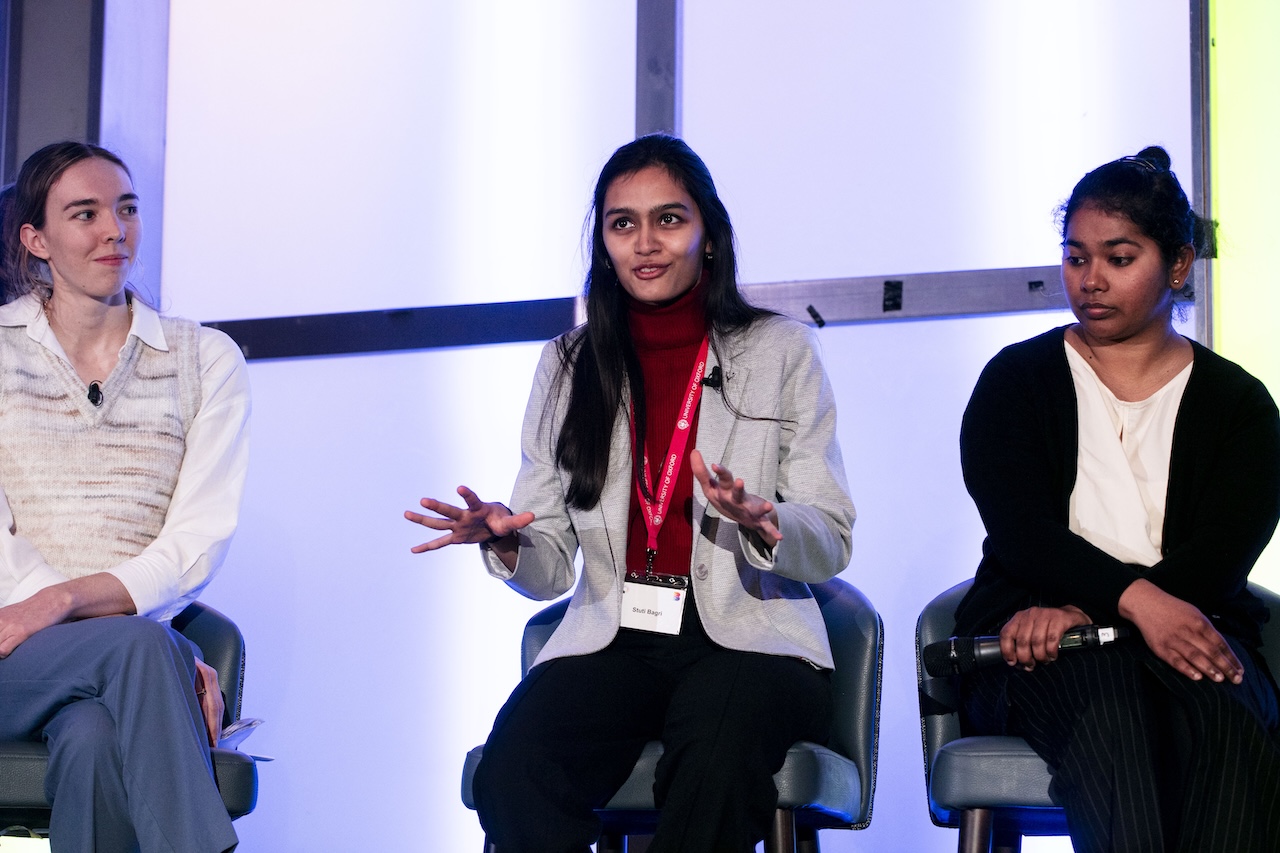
{"type": "Point", "coordinates": [601, 360]}
{"type": "Point", "coordinates": [24, 272]}
{"type": "Point", "coordinates": [1143, 189]}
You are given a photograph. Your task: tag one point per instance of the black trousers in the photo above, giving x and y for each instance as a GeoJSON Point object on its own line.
{"type": "Point", "coordinates": [1144, 759]}
{"type": "Point", "coordinates": [571, 732]}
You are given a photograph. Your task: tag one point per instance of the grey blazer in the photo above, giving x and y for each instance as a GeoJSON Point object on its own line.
{"type": "Point", "coordinates": [748, 599]}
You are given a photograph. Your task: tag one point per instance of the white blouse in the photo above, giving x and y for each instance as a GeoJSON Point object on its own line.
{"type": "Point", "coordinates": [1122, 464]}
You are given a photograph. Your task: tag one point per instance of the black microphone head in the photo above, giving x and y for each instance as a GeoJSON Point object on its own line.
{"type": "Point", "coordinates": [715, 379]}
{"type": "Point", "coordinates": [949, 657]}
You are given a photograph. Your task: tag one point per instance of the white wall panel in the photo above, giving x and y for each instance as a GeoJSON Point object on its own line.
{"type": "Point", "coordinates": [874, 138]}
{"type": "Point", "coordinates": [327, 156]}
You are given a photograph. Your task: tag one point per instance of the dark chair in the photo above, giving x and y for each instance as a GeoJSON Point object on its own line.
{"type": "Point", "coordinates": [23, 764]}
{"type": "Point", "coordinates": [996, 789]}
{"type": "Point", "coordinates": [819, 787]}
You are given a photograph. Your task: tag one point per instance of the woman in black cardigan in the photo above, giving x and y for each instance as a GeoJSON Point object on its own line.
{"type": "Point", "coordinates": [1127, 475]}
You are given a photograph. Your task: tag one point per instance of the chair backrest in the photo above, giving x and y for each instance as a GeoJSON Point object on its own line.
{"type": "Point", "coordinates": [222, 646]}
{"type": "Point", "coordinates": [856, 634]}
{"type": "Point", "coordinates": [939, 699]}
{"type": "Point", "coordinates": [1271, 630]}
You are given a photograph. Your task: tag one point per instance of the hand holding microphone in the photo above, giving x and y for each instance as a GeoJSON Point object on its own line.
{"type": "Point", "coordinates": [962, 655]}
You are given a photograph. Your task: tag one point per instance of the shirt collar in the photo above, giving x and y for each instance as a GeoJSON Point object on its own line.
{"type": "Point", "coordinates": [27, 310]}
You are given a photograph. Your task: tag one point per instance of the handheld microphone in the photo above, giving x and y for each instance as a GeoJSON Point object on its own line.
{"type": "Point", "coordinates": [715, 379]}
{"type": "Point", "coordinates": [962, 655]}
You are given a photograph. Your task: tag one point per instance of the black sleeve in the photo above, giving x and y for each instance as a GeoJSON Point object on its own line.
{"type": "Point", "coordinates": [1018, 444]}
{"type": "Point", "coordinates": [1224, 485]}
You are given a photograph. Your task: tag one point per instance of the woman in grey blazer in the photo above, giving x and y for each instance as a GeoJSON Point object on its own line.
{"type": "Point", "coordinates": [692, 621]}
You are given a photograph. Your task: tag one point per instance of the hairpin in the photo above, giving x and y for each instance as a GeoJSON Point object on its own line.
{"type": "Point", "coordinates": [1138, 161]}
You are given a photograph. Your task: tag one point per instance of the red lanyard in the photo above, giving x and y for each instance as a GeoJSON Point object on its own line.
{"type": "Point", "coordinates": [655, 510]}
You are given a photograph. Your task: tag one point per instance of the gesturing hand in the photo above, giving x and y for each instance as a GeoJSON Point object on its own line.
{"type": "Point", "coordinates": [1179, 634]}
{"type": "Point", "coordinates": [474, 523]}
{"type": "Point", "coordinates": [1032, 635]}
{"type": "Point", "coordinates": [732, 500]}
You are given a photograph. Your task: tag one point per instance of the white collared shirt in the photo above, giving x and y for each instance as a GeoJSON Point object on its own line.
{"type": "Point", "coordinates": [202, 514]}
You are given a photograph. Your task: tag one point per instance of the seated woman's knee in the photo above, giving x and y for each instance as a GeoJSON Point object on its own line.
{"type": "Point", "coordinates": [140, 638]}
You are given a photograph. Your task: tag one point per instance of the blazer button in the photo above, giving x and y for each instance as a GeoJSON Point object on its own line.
{"type": "Point", "coordinates": [700, 572]}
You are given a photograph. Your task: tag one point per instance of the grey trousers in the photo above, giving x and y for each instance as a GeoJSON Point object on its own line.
{"type": "Point", "coordinates": [129, 765]}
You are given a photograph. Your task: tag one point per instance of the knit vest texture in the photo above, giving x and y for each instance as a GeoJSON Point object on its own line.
{"type": "Point", "coordinates": [90, 486]}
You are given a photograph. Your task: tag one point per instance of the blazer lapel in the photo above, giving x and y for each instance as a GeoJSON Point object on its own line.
{"type": "Point", "coordinates": [716, 422]}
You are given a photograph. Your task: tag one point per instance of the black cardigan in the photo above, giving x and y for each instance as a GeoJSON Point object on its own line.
{"type": "Point", "coordinates": [1018, 445]}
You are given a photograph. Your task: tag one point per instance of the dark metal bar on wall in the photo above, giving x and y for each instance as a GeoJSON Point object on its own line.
{"type": "Point", "coordinates": [659, 47]}
{"type": "Point", "coordinates": [836, 301]}
{"type": "Point", "coordinates": [10, 51]}
{"type": "Point", "coordinates": [918, 296]}
{"type": "Point", "coordinates": [1201, 177]}
{"type": "Point", "coordinates": [53, 68]}
{"type": "Point", "coordinates": [400, 329]}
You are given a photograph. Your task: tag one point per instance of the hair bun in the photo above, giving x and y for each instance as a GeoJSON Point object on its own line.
{"type": "Point", "coordinates": [1156, 156]}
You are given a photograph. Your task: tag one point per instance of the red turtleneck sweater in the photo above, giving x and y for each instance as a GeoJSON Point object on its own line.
{"type": "Point", "coordinates": [667, 339]}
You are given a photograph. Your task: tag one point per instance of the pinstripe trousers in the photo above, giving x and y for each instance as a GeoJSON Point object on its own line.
{"type": "Point", "coordinates": [1144, 759]}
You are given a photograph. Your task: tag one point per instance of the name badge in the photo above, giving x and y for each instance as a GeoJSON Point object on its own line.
{"type": "Point", "coordinates": [654, 604]}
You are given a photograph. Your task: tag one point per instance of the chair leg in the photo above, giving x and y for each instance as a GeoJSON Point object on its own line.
{"type": "Point", "coordinates": [975, 831]}
{"type": "Point", "coordinates": [1004, 841]}
{"type": "Point", "coordinates": [782, 835]}
{"type": "Point", "coordinates": [807, 840]}
{"type": "Point", "coordinates": [612, 842]}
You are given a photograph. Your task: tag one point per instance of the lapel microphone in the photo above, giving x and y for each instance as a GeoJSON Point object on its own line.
{"type": "Point", "coordinates": [715, 379]}
{"type": "Point", "coordinates": [95, 394]}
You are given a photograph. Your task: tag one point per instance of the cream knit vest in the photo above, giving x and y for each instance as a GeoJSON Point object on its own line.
{"type": "Point", "coordinates": [90, 487]}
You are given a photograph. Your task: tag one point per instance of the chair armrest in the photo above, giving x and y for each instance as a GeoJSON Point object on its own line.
{"type": "Point", "coordinates": [222, 646]}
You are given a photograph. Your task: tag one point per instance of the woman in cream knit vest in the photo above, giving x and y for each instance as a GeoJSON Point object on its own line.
{"type": "Point", "coordinates": [123, 439]}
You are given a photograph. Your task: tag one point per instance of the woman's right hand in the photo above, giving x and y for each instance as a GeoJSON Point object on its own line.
{"type": "Point", "coordinates": [19, 621]}
{"type": "Point", "coordinates": [1032, 635]}
{"type": "Point", "coordinates": [1179, 634]}
{"type": "Point", "coordinates": [475, 523]}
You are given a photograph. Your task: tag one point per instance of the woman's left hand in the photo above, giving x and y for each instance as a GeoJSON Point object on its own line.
{"type": "Point", "coordinates": [1180, 634]}
{"type": "Point", "coordinates": [732, 500]}
{"type": "Point", "coordinates": [210, 696]}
